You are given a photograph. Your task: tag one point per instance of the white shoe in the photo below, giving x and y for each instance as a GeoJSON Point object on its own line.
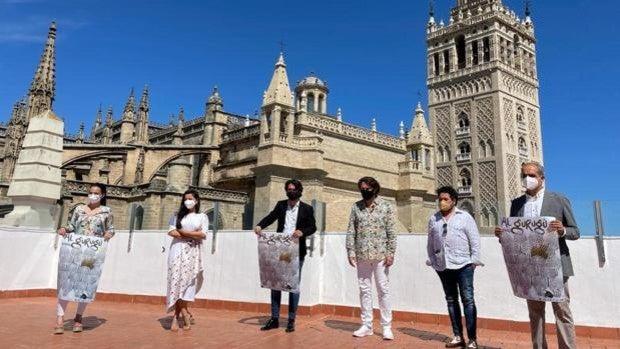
{"type": "Point", "coordinates": [387, 333]}
{"type": "Point", "coordinates": [363, 331]}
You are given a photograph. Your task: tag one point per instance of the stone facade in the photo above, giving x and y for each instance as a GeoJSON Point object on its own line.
{"type": "Point", "coordinates": [240, 162]}
{"type": "Point", "coordinates": [483, 104]}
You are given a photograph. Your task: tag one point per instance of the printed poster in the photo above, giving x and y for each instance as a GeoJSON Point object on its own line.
{"type": "Point", "coordinates": [278, 259]}
{"type": "Point", "coordinates": [532, 256]}
{"type": "Point", "coordinates": [79, 267]}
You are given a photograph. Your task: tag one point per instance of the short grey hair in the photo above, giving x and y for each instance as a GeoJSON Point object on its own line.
{"type": "Point", "coordinates": [538, 165]}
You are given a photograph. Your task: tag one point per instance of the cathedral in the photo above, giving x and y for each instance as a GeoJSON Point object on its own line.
{"type": "Point", "coordinates": [484, 121]}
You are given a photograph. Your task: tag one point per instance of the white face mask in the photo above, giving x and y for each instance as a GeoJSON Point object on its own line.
{"type": "Point", "coordinates": [94, 198]}
{"type": "Point", "coordinates": [189, 204]}
{"type": "Point", "coordinates": [529, 183]}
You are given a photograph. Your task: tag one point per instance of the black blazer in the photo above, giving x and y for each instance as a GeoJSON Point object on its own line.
{"type": "Point", "coordinates": [558, 206]}
{"type": "Point", "coordinates": [305, 222]}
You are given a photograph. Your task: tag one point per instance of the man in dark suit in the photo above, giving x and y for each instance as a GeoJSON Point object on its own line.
{"type": "Point", "coordinates": [540, 203]}
{"type": "Point", "coordinates": [294, 217]}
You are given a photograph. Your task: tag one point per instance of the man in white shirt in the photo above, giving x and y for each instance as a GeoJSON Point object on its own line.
{"type": "Point", "coordinates": [453, 248]}
{"type": "Point", "coordinates": [537, 202]}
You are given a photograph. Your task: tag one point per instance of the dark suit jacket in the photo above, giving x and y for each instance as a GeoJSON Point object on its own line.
{"type": "Point", "coordinates": [305, 222]}
{"type": "Point", "coordinates": [558, 206]}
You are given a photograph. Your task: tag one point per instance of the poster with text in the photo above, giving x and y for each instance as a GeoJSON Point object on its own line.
{"type": "Point", "coordinates": [278, 259]}
{"type": "Point", "coordinates": [532, 256]}
{"type": "Point", "coordinates": [79, 267]}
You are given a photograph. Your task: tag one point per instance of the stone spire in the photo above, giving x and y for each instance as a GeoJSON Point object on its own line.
{"type": "Point", "coordinates": [42, 89]}
{"type": "Point", "coordinates": [279, 90]}
{"type": "Point", "coordinates": [373, 125]}
{"type": "Point", "coordinates": [430, 27]}
{"type": "Point", "coordinates": [107, 130]}
{"type": "Point", "coordinates": [128, 121]}
{"type": "Point", "coordinates": [419, 133]}
{"type": "Point", "coordinates": [80, 136]}
{"type": "Point", "coordinates": [130, 107]}
{"type": "Point", "coordinates": [214, 102]}
{"type": "Point", "coordinates": [142, 129]}
{"type": "Point", "coordinates": [97, 124]}
{"type": "Point", "coordinates": [401, 130]}
{"type": "Point", "coordinates": [177, 138]}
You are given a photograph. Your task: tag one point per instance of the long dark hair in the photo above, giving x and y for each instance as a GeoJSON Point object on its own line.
{"type": "Point", "coordinates": [104, 192]}
{"type": "Point", "coordinates": [183, 211]}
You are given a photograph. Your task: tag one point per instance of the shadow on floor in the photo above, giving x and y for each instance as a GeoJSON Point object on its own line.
{"type": "Point", "coordinates": [342, 325]}
{"type": "Point", "coordinates": [432, 336]}
{"type": "Point", "coordinates": [254, 320]}
{"type": "Point", "coordinates": [89, 323]}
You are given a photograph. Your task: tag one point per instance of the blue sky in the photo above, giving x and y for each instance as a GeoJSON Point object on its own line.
{"type": "Point", "coordinates": [371, 53]}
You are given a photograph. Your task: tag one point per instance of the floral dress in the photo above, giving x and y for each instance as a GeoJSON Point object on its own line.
{"type": "Point", "coordinates": [95, 225]}
{"type": "Point", "coordinates": [185, 261]}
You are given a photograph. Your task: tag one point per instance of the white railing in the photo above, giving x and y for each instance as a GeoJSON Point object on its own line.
{"type": "Point", "coordinates": [463, 157]}
{"type": "Point", "coordinates": [462, 131]}
{"type": "Point", "coordinates": [465, 190]}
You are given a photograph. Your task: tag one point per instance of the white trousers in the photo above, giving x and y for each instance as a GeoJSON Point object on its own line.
{"type": "Point", "coordinates": [365, 270]}
{"type": "Point", "coordinates": [62, 306]}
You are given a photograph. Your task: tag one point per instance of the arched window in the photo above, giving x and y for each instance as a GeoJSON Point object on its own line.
{"type": "Point", "coordinates": [319, 108]}
{"type": "Point", "coordinates": [490, 148]}
{"type": "Point", "coordinates": [310, 107]}
{"type": "Point", "coordinates": [522, 144]}
{"type": "Point", "coordinates": [468, 207]}
{"type": "Point", "coordinates": [482, 149]}
{"type": "Point", "coordinates": [427, 159]}
{"type": "Point", "coordinates": [463, 120]}
{"type": "Point", "coordinates": [439, 154]}
{"type": "Point", "coordinates": [465, 178]}
{"type": "Point", "coordinates": [520, 118]}
{"type": "Point", "coordinates": [464, 148]}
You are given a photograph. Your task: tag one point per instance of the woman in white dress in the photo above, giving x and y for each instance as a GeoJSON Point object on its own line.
{"type": "Point", "coordinates": [188, 228]}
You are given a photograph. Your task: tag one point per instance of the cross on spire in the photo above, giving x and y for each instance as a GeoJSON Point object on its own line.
{"type": "Point", "coordinates": [282, 45]}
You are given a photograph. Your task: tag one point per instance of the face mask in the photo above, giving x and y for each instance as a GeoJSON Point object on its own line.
{"type": "Point", "coordinates": [367, 194]}
{"type": "Point", "coordinates": [189, 204]}
{"type": "Point", "coordinates": [293, 195]}
{"type": "Point", "coordinates": [445, 206]}
{"type": "Point", "coordinates": [94, 198]}
{"type": "Point", "coordinates": [529, 183]}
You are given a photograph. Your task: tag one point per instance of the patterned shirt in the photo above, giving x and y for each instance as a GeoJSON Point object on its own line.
{"type": "Point", "coordinates": [97, 224]}
{"type": "Point", "coordinates": [454, 243]}
{"type": "Point", "coordinates": [372, 230]}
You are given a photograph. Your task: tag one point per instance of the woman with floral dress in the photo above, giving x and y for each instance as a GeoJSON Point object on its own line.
{"type": "Point", "coordinates": [92, 219]}
{"type": "Point", "coordinates": [188, 229]}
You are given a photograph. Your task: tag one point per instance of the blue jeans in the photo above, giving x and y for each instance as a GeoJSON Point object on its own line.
{"type": "Point", "coordinates": [293, 300]}
{"type": "Point", "coordinates": [455, 282]}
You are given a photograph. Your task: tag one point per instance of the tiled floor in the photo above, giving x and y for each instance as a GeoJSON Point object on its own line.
{"type": "Point", "coordinates": [28, 323]}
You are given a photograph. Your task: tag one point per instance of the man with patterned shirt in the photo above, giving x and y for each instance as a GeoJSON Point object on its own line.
{"type": "Point", "coordinates": [371, 244]}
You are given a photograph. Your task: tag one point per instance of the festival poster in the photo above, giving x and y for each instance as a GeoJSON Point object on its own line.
{"type": "Point", "coordinates": [79, 267]}
{"type": "Point", "coordinates": [532, 256]}
{"type": "Point", "coordinates": [278, 259]}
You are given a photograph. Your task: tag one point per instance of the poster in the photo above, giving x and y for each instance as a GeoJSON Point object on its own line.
{"type": "Point", "coordinates": [79, 267]}
{"type": "Point", "coordinates": [278, 259]}
{"type": "Point", "coordinates": [532, 256]}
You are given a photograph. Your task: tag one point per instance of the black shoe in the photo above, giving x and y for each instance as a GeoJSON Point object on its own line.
{"type": "Point", "coordinates": [290, 327]}
{"type": "Point", "coordinates": [271, 324]}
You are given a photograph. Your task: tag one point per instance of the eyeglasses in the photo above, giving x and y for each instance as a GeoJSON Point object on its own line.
{"type": "Point", "coordinates": [445, 229]}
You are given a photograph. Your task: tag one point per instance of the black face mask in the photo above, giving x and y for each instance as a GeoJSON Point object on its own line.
{"type": "Point", "coordinates": [293, 195]}
{"type": "Point", "coordinates": [367, 194]}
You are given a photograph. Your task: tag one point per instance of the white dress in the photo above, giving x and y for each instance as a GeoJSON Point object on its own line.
{"type": "Point", "coordinates": [185, 261]}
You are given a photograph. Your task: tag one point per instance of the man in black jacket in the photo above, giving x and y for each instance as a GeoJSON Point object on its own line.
{"type": "Point", "coordinates": [294, 217]}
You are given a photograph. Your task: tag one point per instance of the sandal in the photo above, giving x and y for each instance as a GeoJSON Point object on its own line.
{"type": "Point", "coordinates": [174, 324]}
{"type": "Point", "coordinates": [186, 323]}
{"type": "Point", "coordinates": [59, 330]}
